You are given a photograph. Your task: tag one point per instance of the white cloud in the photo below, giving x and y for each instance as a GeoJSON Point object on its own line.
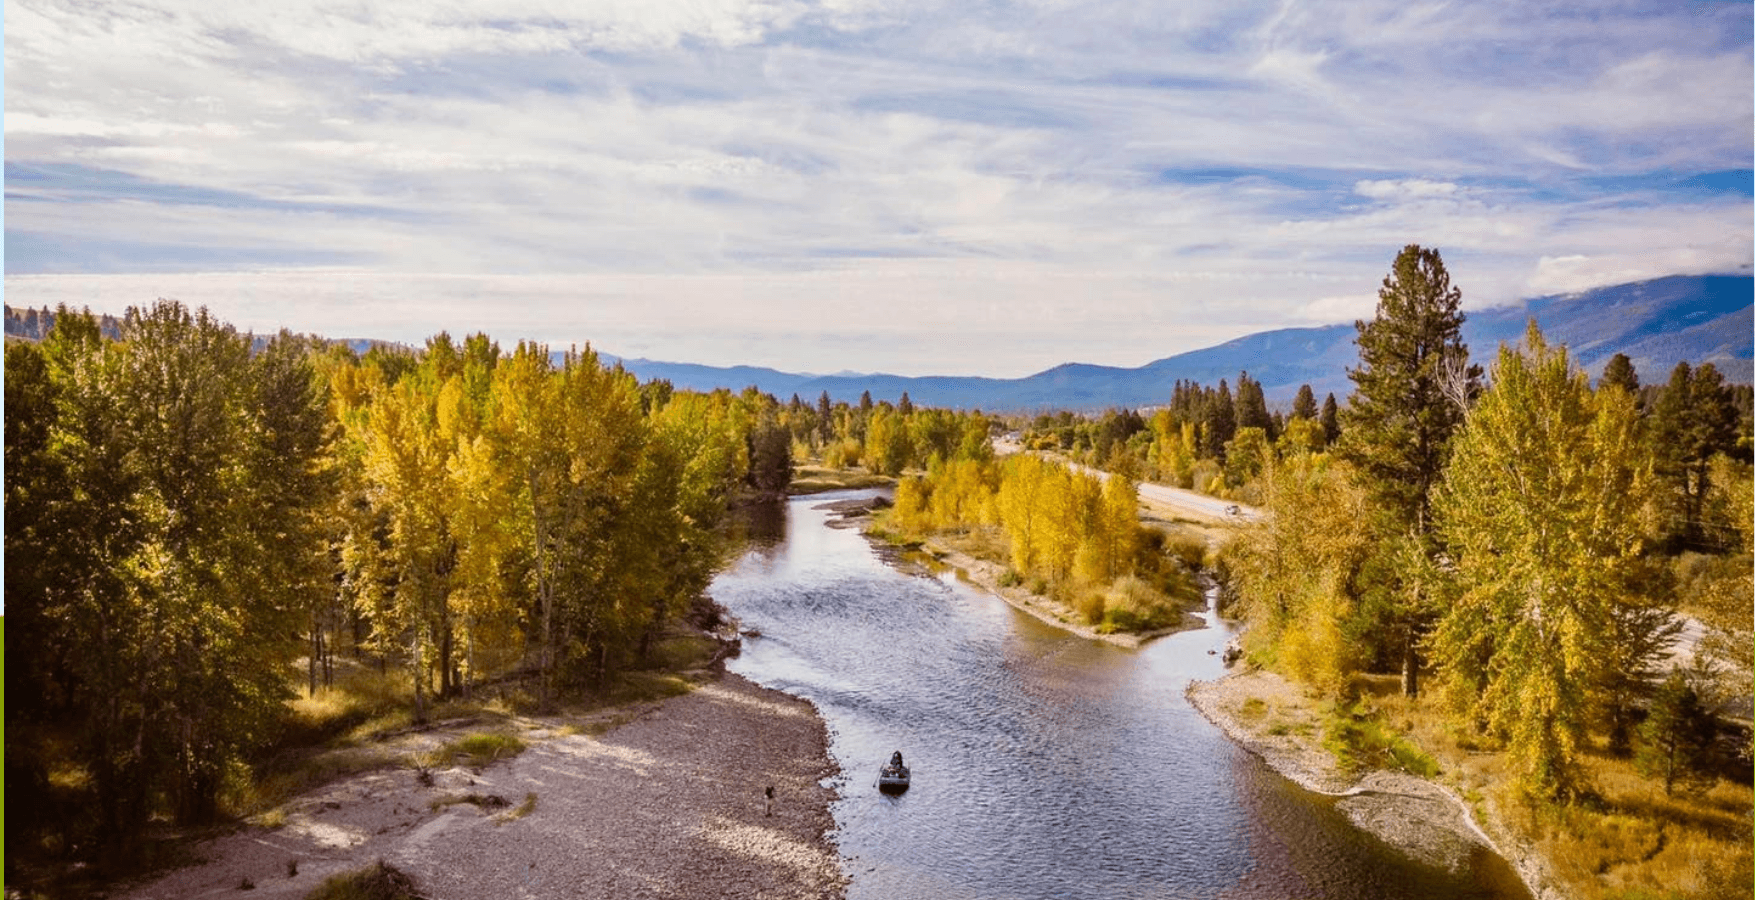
{"type": "Point", "coordinates": [1053, 152]}
{"type": "Point", "coordinates": [1404, 189]}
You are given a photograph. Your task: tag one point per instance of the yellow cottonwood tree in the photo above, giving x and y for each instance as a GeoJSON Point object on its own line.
{"type": "Point", "coordinates": [1293, 570]}
{"type": "Point", "coordinates": [1538, 509]}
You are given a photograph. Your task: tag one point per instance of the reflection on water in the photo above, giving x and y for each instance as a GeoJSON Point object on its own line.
{"type": "Point", "coordinates": [1044, 765]}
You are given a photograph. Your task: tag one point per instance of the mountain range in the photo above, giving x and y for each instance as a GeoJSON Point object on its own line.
{"type": "Point", "coordinates": [1657, 323]}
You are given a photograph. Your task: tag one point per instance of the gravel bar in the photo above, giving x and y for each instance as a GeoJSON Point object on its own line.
{"type": "Point", "coordinates": [672, 804]}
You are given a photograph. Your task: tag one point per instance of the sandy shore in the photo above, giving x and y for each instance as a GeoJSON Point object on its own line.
{"type": "Point", "coordinates": [1426, 820]}
{"type": "Point", "coordinates": [670, 804]}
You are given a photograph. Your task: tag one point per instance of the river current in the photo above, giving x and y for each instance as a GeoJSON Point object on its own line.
{"type": "Point", "coordinates": [1044, 765]}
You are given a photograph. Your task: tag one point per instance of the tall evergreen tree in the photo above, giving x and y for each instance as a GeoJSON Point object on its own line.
{"type": "Point", "coordinates": [1693, 420]}
{"type": "Point", "coordinates": [1397, 425]}
{"type": "Point", "coordinates": [1677, 737]}
{"type": "Point", "coordinates": [1252, 411]}
{"type": "Point", "coordinates": [1220, 424]}
{"type": "Point", "coordinates": [1330, 419]}
{"type": "Point", "coordinates": [1619, 372]}
{"type": "Point", "coordinates": [1304, 404]}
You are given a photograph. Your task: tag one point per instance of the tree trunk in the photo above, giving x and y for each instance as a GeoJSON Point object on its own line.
{"type": "Point", "coordinates": [420, 676]}
{"type": "Point", "coordinates": [546, 656]}
{"type": "Point", "coordinates": [328, 664]}
{"type": "Point", "coordinates": [1411, 665]}
{"type": "Point", "coordinates": [469, 650]}
{"type": "Point", "coordinates": [447, 676]}
{"type": "Point", "coordinates": [316, 653]}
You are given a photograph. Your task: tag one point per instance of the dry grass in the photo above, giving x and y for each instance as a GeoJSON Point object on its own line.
{"type": "Point", "coordinates": [519, 811]}
{"type": "Point", "coordinates": [482, 748]}
{"type": "Point", "coordinates": [1630, 842]}
{"type": "Point", "coordinates": [812, 479]}
{"type": "Point", "coordinates": [374, 882]}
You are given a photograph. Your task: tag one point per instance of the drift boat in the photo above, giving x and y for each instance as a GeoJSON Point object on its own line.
{"type": "Point", "coordinates": [893, 778]}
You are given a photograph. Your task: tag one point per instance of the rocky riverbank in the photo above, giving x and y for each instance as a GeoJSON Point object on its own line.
{"type": "Point", "coordinates": [669, 802]}
{"type": "Point", "coordinates": [1273, 719]}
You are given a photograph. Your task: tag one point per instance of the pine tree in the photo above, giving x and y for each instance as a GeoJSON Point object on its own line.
{"type": "Point", "coordinates": [1330, 420]}
{"type": "Point", "coordinates": [1220, 424]}
{"type": "Point", "coordinates": [1619, 372]}
{"type": "Point", "coordinates": [1399, 420]}
{"type": "Point", "coordinates": [1675, 742]}
{"type": "Point", "coordinates": [1693, 420]}
{"type": "Point", "coordinates": [1251, 406]}
{"type": "Point", "coordinates": [1397, 425]}
{"type": "Point", "coordinates": [1304, 404]}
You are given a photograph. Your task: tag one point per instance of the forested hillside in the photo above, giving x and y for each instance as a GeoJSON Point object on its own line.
{"type": "Point", "coordinates": [185, 518]}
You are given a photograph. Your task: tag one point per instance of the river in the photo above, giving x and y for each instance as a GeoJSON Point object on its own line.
{"type": "Point", "coordinates": [1044, 765]}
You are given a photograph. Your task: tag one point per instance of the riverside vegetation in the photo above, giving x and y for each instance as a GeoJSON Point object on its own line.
{"type": "Point", "coordinates": [1070, 537]}
{"type": "Point", "coordinates": [1514, 556]}
{"type": "Point", "coordinates": [1481, 581]}
{"type": "Point", "coordinates": [222, 550]}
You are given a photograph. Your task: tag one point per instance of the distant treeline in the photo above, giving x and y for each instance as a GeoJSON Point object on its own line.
{"type": "Point", "coordinates": [1212, 439]}
{"type": "Point", "coordinates": [35, 324]}
{"type": "Point", "coordinates": [186, 516]}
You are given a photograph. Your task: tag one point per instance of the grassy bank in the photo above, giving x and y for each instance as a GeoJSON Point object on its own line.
{"type": "Point", "coordinates": [1627, 841]}
{"type": "Point", "coordinates": [815, 479]}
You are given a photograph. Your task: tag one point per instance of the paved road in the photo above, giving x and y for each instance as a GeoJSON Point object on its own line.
{"type": "Point", "coordinates": [1177, 499]}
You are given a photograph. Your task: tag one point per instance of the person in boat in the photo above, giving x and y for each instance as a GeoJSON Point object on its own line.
{"type": "Point", "coordinates": [896, 759]}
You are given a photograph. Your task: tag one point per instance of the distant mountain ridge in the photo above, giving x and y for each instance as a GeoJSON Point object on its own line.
{"type": "Point", "coordinates": [1657, 323]}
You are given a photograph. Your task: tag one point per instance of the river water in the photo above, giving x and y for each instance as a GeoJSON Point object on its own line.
{"type": "Point", "coordinates": [1044, 765]}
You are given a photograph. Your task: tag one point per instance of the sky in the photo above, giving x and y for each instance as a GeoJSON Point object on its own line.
{"type": "Point", "coordinates": [967, 187]}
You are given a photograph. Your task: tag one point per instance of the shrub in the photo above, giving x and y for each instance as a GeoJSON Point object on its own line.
{"type": "Point", "coordinates": [378, 881]}
{"type": "Point", "coordinates": [1359, 741]}
{"type": "Point", "coordinates": [483, 747]}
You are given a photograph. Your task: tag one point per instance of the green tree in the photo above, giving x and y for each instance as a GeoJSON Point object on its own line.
{"type": "Point", "coordinates": [770, 455]}
{"type": "Point", "coordinates": [1251, 406]}
{"type": "Point", "coordinates": [1676, 739]}
{"type": "Point", "coordinates": [825, 419]}
{"type": "Point", "coordinates": [1410, 391]}
{"type": "Point", "coordinates": [1619, 372]}
{"type": "Point", "coordinates": [1693, 420]}
{"type": "Point", "coordinates": [1304, 404]}
{"type": "Point", "coordinates": [1221, 423]}
{"type": "Point", "coordinates": [1330, 420]}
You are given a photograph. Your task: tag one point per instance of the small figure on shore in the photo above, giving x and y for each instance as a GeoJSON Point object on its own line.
{"type": "Point", "coordinates": [770, 799]}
